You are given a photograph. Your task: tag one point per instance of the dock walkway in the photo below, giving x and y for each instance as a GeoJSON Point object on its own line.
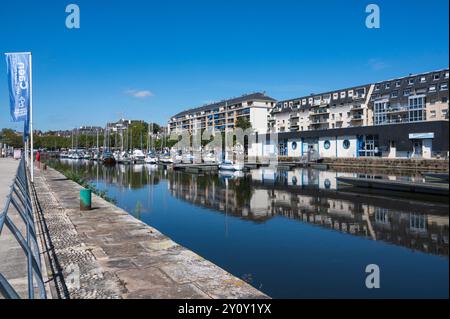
{"type": "Point", "coordinates": [400, 186]}
{"type": "Point", "coordinates": [107, 253]}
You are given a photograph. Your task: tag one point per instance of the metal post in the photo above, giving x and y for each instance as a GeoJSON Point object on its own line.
{"type": "Point", "coordinates": [31, 121]}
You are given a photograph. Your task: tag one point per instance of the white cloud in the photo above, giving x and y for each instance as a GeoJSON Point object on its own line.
{"type": "Point", "coordinates": [377, 64]}
{"type": "Point", "coordinates": [140, 94]}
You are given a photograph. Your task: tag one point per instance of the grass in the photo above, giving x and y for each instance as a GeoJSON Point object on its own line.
{"type": "Point", "coordinates": [82, 180]}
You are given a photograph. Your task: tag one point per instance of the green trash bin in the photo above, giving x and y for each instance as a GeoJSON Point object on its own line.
{"type": "Point", "coordinates": [85, 199]}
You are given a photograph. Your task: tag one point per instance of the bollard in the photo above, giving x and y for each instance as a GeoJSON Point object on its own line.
{"type": "Point", "coordinates": [85, 199]}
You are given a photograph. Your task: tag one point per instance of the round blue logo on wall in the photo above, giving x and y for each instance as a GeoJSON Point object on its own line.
{"type": "Point", "coordinates": [294, 145]}
{"type": "Point", "coordinates": [346, 144]}
{"type": "Point", "coordinates": [327, 144]}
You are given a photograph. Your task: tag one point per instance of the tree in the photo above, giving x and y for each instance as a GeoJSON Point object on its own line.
{"type": "Point", "coordinates": [11, 138]}
{"type": "Point", "coordinates": [243, 123]}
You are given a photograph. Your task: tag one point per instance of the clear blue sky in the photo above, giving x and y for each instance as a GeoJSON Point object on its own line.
{"type": "Point", "coordinates": [187, 53]}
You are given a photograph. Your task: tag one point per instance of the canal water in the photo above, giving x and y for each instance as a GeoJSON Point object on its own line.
{"type": "Point", "coordinates": [291, 234]}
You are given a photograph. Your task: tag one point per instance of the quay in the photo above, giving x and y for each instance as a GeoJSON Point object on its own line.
{"type": "Point", "coordinates": [107, 253]}
{"type": "Point", "coordinates": [399, 186]}
{"type": "Point", "coordinates": [13, 262]}
{"type": "Point", "coordinates": [196, 168]}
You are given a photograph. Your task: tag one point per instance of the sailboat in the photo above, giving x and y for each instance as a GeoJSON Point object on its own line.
{"type": "Point", "coordinates": [150, 158]}
{"type": "Point", "coordinates": [107, 156]}
{"type": "Point", "coordinates": [227, 164]}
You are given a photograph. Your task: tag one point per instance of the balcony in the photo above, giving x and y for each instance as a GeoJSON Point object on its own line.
{"type": "Point", "coordinates": [319, 122]}
{"type": "Point", "coordinates": [357, 117]}
{"type": "Point", "coordinates": [356, 108]}
{"type": "Point", "coordinates": [401, 109]}
{"type": "Point", "coordinates": [319, 112]}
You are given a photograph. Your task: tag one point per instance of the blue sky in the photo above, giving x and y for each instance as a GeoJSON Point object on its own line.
{"type": "Point", "coordinates": [151, 59]}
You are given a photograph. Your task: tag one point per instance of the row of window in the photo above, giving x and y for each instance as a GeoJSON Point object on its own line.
{"type": "Point", "coordinates": [326, 98]}
{"type": "Point", "coordinates": [411, 81]}
{"type": "Point", "coordinates": [408, 92]}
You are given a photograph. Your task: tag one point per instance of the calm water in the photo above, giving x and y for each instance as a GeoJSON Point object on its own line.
{"type": "Point", "coordinates": [291, 234]}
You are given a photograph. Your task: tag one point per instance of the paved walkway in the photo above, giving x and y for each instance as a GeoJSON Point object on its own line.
{"type": "Point", "coordinates": [107, 253]}
{"type": "Point", "coordinates": [13, 262]}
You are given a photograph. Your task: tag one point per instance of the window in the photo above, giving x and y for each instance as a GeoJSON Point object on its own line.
{"type": "Point", "coordinates": [446, 75]}
{"type": "Point", "coordinates": [398, 84]}
{"type": "Point", "coordinates": [342, 95]}
{"type": "Point", "coordinates": [443, 86]}
{"type": "Point", "coordinates": [416, 108]}
{"type": "Point", "coordinates": [407, 92]}
{"type": "Point", "coordinates": [394, 94]}
{"type": "Point", "coordinates": [380, 112]}
{"type": "Point", "coordinates": [367, 145]}
{"type": "Point", "coordinates": [410, 81]}
{"type": "Point", "coordinates": [304, 102]}
{"type": "Point", "coordinates": [350, 93]}
{"type": "Point", "coordinates": [346, 144]}
{"type": "Point", "coordinates": [423, 79]}
{"type": "Point", "coordinates": [436, 77]}
{"type": "Point", "coordinates": [444, 99]}
{"type": "Point", "coordinates": [433, 88]}
{"type": "Point", "coordinates": [310, 100]}
{"type": "Point", "coordinates": [433, 114]}
{"type": "Point", "coordinates": [387, 86]}
{"type": "Point", "coordinates": [335, 96]}
{"type": "Point", "coordinates": [377, 87]}
{"type": "Point", "coordinates": [327, 145]}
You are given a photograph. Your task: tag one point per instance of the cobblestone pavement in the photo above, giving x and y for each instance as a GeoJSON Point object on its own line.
{"type": "Point", "coordinates": [118, 256]}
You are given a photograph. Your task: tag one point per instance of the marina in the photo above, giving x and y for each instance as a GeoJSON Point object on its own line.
{"type": "Point", "coordinates": [190, 150]}
{"type": "Point", "coordinates": [295, 206]}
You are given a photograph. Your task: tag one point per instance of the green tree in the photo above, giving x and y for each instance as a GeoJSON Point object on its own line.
{"type": "Point", "coordinates": [243, 123]}
{"type": "Point", "coordinates": [11, 138]}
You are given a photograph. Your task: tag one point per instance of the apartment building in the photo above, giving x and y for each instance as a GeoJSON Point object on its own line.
{"type": "Point", "coordinates": [336, 109]}
{"type": "Point", "coordinates": [224, 114]}
{"type": "Point", "coordinates": [403, 117]}
{"type": "Point", "coordinates": [415, 98]}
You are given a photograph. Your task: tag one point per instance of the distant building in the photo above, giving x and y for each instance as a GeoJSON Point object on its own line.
{"type": "Point", "coordinates": [224, 114]}
{"type": "Point", "coordinates": [89, 130]}
{"type": "Point", "coordinates": [121, 125]}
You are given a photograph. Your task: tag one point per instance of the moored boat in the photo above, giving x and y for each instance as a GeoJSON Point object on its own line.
{"type": "Point", "coordinates": [228, 165]}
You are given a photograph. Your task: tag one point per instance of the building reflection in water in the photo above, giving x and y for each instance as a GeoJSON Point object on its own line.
{"type": "Point", "coordinates": [307, 195]}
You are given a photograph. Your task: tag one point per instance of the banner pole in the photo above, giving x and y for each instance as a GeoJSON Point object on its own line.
{"type": "Point", "coordinates": [31, 119]}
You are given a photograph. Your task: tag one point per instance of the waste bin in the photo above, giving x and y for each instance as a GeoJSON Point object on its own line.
{"type": "Point", "coordinates": [85, 199]}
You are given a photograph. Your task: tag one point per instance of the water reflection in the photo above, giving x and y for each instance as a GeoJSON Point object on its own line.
{"type": "Point", "coordinates": [307, 195]}
{"type": "Point", "coordinates": [291, 234]}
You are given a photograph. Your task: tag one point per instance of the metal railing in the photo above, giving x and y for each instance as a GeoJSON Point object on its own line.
{"type": "Point", "coordinates": [20, 198]}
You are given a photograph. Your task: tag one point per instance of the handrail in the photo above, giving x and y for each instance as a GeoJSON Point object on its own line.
{"type": "Point", "coordinates": [20, 198]}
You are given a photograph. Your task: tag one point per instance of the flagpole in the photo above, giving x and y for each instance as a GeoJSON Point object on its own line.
{"type": "Point", "coordinates": [31, 119]}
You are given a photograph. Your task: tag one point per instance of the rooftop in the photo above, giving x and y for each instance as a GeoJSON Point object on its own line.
{"type": "Point", "coordinates": [247, 97]}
